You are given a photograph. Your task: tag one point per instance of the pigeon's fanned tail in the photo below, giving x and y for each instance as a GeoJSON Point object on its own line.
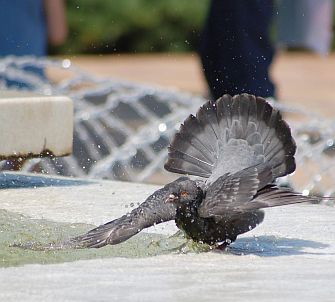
{"type": "Point", "coordinates": [232, 134]}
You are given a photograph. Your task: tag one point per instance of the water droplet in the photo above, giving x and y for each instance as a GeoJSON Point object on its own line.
{"type": "Point", "coordinates": [305, 192]}
{"type": "Point", "coordinates": [162, 127]}
{"type": "Point", "coordinates": [330, 142]}
{"type": "Point", "coordinates": [66, 63]}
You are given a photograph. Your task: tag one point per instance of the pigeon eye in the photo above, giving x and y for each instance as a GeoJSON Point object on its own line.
{"type": "Point", "coordinates": [183, 193]}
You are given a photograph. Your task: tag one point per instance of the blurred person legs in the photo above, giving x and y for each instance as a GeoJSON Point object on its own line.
{"type": "Point", "coordinates": [235, 48]}
{"type": "Point", "coordinates": [305, 24]}
{"type": "Point", "coordinates": [26, 27]}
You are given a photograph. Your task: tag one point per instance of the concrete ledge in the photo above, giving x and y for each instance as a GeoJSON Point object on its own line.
{"type": "Point", "coordinates": [31, 125]}
{"type": "Point", "coordinates": [289, 257]}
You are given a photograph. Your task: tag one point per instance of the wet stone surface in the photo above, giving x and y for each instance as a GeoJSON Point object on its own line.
{"type": "Point", "coordinates": [290, 256]}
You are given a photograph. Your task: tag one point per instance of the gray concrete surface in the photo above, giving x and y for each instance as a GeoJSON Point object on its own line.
{"type": "Point", "coordinates": [290, 257]}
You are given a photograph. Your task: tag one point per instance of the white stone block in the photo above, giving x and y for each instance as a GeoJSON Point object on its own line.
{"type": "Point", "coordinates": [32, 124]}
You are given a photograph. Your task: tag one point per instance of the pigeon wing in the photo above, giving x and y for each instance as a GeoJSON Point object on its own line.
{"type": "Point", "coordinates": [246, 191]}
{"type": "Point", "coordinates": [152, 211]}
{"type": "Point", "coordinates": [231, 190]}
{"type": "Point", "coordinates": [273, 196]}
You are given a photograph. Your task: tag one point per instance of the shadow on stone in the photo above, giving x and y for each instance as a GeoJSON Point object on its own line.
{"type": "Point", "coordinates": [272, 246]}
{"type": "Point", "coordinates": [15, 181]}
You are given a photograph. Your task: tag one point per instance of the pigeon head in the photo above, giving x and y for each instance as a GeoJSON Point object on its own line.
{"type": "Point", "coordinates": [184, 192]}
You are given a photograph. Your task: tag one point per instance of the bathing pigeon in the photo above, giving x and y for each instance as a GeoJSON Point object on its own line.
{"type": "Point", "coordinates": [238, 146]}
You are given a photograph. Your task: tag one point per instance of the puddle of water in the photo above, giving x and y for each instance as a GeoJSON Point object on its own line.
{"type": "Point", "coordinates": [21, 230]}
{"type": "Point", "coordinates": [34, 236]}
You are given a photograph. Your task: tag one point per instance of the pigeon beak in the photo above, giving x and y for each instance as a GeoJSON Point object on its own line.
{"type": "Point", "coordinates": [171, 198]}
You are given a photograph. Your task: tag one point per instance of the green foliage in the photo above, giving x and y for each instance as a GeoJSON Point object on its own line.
{"type": "Point", "coordinates": [103, 26]}
{"type": "Point", "coordinates": [112, 26]}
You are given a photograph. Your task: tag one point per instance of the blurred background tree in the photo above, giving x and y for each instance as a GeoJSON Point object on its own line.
{"type": "Point", "coordinates": [116, 26]}
{"type": "Point", "coordinates": [102, 26]}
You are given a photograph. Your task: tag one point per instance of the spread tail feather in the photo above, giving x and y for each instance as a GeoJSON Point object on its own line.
{"type": "Point", "coordinates": [232, 134]}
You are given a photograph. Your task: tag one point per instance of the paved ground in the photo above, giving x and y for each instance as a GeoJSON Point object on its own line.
{"type": "Point", "coordinates": [302, 78]}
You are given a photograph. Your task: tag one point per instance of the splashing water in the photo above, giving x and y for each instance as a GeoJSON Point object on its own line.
{"type": "Point", "coordinates": [24, 241]}
{"type": "Point", "coordinates": [122, 129]}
